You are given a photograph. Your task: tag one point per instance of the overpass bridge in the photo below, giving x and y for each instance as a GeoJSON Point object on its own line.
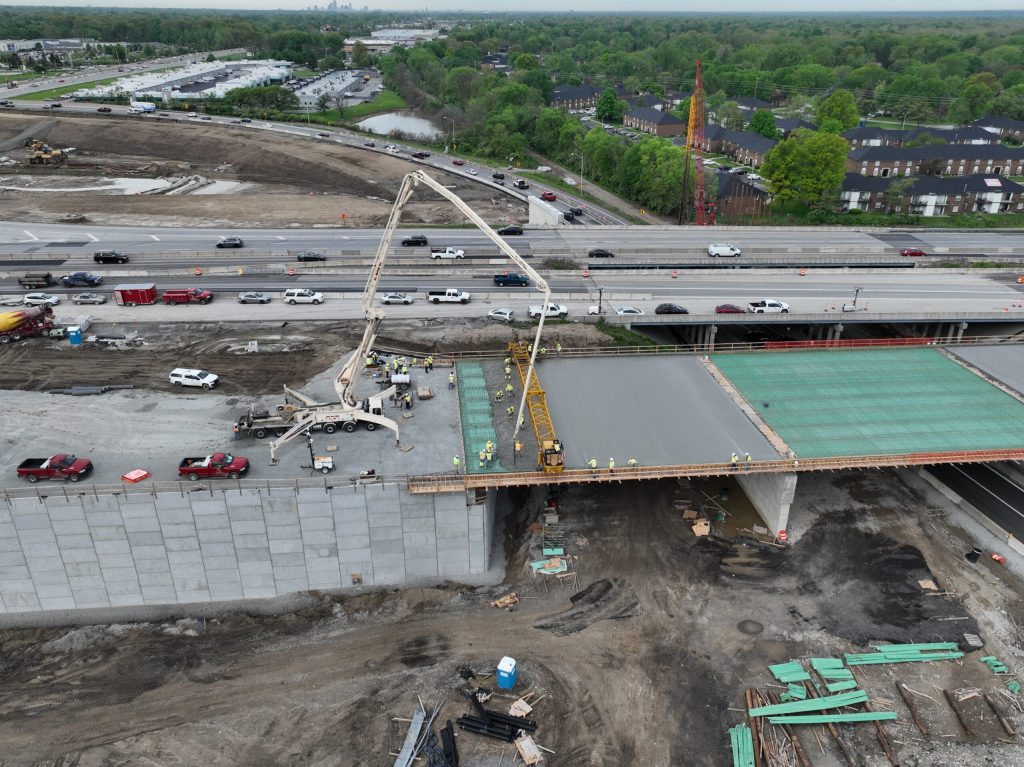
{"type": "Point", "coordinates": [790, 410]}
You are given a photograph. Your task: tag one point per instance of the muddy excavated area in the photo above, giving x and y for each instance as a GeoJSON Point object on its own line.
{"type": "Point", "coordinates": [286, 179]}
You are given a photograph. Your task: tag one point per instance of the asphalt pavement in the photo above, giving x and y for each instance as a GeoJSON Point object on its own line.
{"type": "Point", "coordinates": [993, 494]}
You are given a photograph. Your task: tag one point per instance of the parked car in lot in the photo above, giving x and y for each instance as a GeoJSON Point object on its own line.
{"type": "Point", "coordinates": [41, 299]}
{"type": "Point", "coordinates": [253, 297]}
{"type": "Point", "coordinates": [510, 229]}
{"type": "Point", "coordinates": [503, 314]}
{"type": "Point", "coordinates": [767, 306]}
{"type": "Point", "coordinates": [723, 249]}
{"type": "Point", "coordinates": [548, 196]}
{"type": "Point", "coordinates": [628, 311]}
{"type": "Point", "coordinates": [600, 253]}
{"type": "Point", "coordinates": [912, 252]}
{"type": "Point", "coordinates": [729, 309]}
{"type": "Point", "coordinates": [414, 240]}
{"type": "Point", "coordinates": [302, 296]}
{"type": "Point", "coordinates": [89, 298]}
{"type": "Point", "coordinates": [396, 298]}
{"type": "Point", "coordinates": [561, 311]}
{"type": "Point", "coordinates": [670, 309]}
{"type": "Point", "coordinates": [310, 255]}
{"type": "Point", "coordinates": [231, 242]}
{"type": "Point", "coordinates": [193, 377]}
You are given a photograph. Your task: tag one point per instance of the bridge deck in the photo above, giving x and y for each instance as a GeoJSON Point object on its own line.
{"type": "Point", "coordinates": [1004, 363]}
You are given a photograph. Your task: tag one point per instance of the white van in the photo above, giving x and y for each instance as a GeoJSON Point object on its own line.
{"type": "Point", "coordinates": [723, 249]}
{"type": "Point", "coordinates": [191, 377]}
{"type": "Point", "coordinates": [302, 296]}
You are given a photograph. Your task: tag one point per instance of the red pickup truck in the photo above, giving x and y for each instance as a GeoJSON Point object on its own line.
{"type": "Point", "coordinates": [60, 466]}
{"type": "Point", "coordinates": [190, 296]}
{"type": "Point", "coordinates": [214, 465]}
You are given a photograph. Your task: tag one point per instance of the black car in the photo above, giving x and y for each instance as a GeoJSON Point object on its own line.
{"type": "Point", "coordinates": [600, 253]}
{"type": "Point", "coordinates": [246, 120]}
{"type": "Point", "coordinates": [568, 215]}
{"type": "Point", "coordinates": [369, 143]}
{"type": "Point", "coordinates": [109, 257]}
{"type": "Point", "coordinates": [310, 255]}
{"type": "Point", "coordinates": [421, 155]}
{"type": "Point", "coordinates": [499, 176]}
{"type": "Point", "coordinates": [510, 229]}
{"type": "Point", "coordinates": [670, 309]}
{"type": "Point", "coordinates": [415, 240]}
{"type": "Point", "coordinates": [577, 211]}
{"type": "Point", "coordinates": [323, 135]}
{"type": "Point", "coordinates": [231, 242]}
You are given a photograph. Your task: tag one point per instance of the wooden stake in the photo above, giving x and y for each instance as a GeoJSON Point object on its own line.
{"type": "Point", "coordinates": [999, 715]}
{"type": "Point", "coordinates": [837, 736]}
{"type": "Point", "coordinates": [904, 691]}
{"type": "Point", "coordinates": [951, 700]}
{"type": "Point", "coordinates": [797, 748]}
{"type": "Point", "coordinates": [883, 739]}
{"type": "Point", "coordinates": [752, 723]}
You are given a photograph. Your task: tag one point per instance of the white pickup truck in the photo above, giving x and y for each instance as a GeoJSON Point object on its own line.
{"type": "Point", "coordinates": [561, 311]}
{"type": "Point", "coordinates": [448, 252]}
{"type": "Point", "coordinates": [450, 296]}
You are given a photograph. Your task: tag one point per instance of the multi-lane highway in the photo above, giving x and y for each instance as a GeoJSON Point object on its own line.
{"type": "Point", "coordinates": [993, 494]}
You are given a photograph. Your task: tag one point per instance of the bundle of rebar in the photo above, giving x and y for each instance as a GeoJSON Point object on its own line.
{"type": "Point", "coordinates": [495, 724]}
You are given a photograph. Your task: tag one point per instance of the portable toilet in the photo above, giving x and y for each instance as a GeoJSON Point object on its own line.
{"type": "Point", "coordinates": [75, 335]}
{"type": "Point", "coordinates": [507, 673]}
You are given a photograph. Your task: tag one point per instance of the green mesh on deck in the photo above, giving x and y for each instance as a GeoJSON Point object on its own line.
{"type": "Point", "coordinates": [826, 404]}
{"type": "Point", "coordinates": [476, 414]}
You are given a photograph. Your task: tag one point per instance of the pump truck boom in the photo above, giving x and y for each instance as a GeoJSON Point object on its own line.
{"type": "Point", "coordinates": [348, 411]}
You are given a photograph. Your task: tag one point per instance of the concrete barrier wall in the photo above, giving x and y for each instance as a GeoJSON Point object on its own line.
{"type": "Point", "coordinates": [80, 552]}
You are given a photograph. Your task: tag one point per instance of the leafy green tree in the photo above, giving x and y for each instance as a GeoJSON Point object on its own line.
{"type": "Point", "coordinates": [459, 84]}
{"type": "Point", "coordinates": [322, 102]}
{"type": "Point", "coordinates": [1010, 103]}
{"type": "Point", "coordinates": [808, 166]}
{"type": "Point", "coordinates": [830, 125]}
{"type": "Point", "coordinates": [730, 115]}
{"type": "Point", "coordinates": [525, 61]}
{"type": "Point", "coordinates": [361, 56]}
{"type": "Point", "coordinates": [763, 122]}
{"type": "Point", "coordinates": [839, 106]}
{"type": "Point", "coordinates": [924, 139]}
{"type": "Point", "coordinates": [896, 191]}
{"type": "Point", "coordinates": [609, 107]}
{"type": "Point", "coordinates": [974, 100]}
{"type": "Point", "coordinates": [262, 98]}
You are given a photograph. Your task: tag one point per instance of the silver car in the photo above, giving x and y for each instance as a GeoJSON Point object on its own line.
{"type": "Point", "coordinates": [253, 297]}
{"type": "Point", "coordinates": [501, 315]}
{"type": "Point", "coordinates": [396, 298]}
{"type": "Point", "coordinates": [41, 299]}
{"type": "Point", "coordinates": [89, 298]}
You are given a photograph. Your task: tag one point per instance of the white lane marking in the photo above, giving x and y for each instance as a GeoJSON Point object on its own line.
{"type": "Point", "coordinates": [155, 238]}
{"type": "Point", "coordinates": [280, 237]}
{"type": "Point", "coordinates": [30, 235]}
{"type": "Point", "coordinates": [92, 237]}
{"type": "Point", "coordinates": [1014, 509]}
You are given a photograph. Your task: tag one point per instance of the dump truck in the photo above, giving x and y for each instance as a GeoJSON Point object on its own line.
{"type": "Point", "coordinates": [135, 294]}
{"type": "Point", "coordinates": [30, 321]}
{"type": "Point", "coordinates": [36, 280]}
{"type": "Point", "coordinates": [189, 296]}
{"type": "Point", "coordinates": [213, 465]}
{"type": "Point", "coordinates": [59, 466]}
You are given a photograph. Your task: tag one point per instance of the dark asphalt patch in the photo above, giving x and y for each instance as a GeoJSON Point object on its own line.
{"type": "Point", "coordinates": [606, 599]}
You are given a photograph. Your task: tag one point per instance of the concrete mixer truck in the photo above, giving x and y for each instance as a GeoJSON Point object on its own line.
{"type": "Point", "coordinates": [30, 321]}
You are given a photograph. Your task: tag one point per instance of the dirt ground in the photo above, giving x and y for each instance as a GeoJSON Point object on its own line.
{"type": "Point", "coordinates": [647, 668]}
{"type": "Point", "coordinates": [292, 180]}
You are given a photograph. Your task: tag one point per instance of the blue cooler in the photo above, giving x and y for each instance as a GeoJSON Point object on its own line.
{"type": "Point", "coordinates": [75, 335]}
{"type": "Point", "coordinates": [507, 673]}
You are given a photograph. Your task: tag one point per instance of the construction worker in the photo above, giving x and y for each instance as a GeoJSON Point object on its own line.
{"type": "Point", "coordinates": [408, 401]}
{"type": "Point", "coordinates": [369, 360]}
{"type": "Point", "coordinates": [508, 373]}
{"type": "Point", "coordinates": [508, 362]}
{"type": "Point", "coordinates": [558, 347]}
{"type": "Point", "coordinates": [734, 460]}
{"type": "Point", "coordinates": [510, 411]}
{"type": "Point", "coordinates": [489, 456]}
{"type": "Point", "coordinates": [405, 370]}
{"type": "Point", "coordinates": [483, 457]}
{"type": "Point", "coordinates": [451, 380]}
{"type": "Point", "coordinates": [518, 448]}
{"type": "Point", "coordinates": [489, 447]}
{"type": "Point", "coordinates": [508, 390]}
{"type": "Point", "coordinates": [456, 462]}
{"type": "Point", "coordinates": [394, 364]}
{"type": "Point", "coordinates": [529, 349]}
{"type": "Point", "coordinates": [746, 458]}
{"type": "Point", "coordinates": [234, 430]}
{"type": "Point", "coordinates": [543, 350]}
{"type": "Point", "coordinates": [632, 463]}
{"type": "Point", "coordinates": [611, 465]}
{"type": "Point", "coordinates": [522, 421]}
{"type": "Point", "coordinates": [498, 395]}
{"type": "Point", "coordinates": [430, 363]}
{"type": "Point", "coordinates": [413, 363]}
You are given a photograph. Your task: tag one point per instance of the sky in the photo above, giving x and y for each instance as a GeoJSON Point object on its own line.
{"type": "Point", "coordinates": [583, 6]}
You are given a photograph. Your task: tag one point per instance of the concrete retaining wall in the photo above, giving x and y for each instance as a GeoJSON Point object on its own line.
{"type": "Point", "coordinates": [83, 552]}
{"type": "Point", "coordinates": [771, 495]}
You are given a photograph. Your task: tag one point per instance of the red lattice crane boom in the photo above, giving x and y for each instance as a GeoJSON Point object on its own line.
{"type": "Point", "coordinates": [704, 212]}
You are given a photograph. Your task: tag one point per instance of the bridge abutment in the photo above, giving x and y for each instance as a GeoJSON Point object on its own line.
{"type": "Point", "coordinates": [771, 495]}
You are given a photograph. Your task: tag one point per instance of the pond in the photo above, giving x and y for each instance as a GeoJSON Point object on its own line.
{"type": "Point", "coordinates": [408, 122]}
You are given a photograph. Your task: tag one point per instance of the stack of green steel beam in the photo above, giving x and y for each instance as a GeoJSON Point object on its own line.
{"type": "Point", "coordinates": [789, 672]}
{"type": "Point", "coordinates": [905, 653]}
{"type": "Point", "coordinates": [742, 746]}
{"type": "Point", "coordinates": [811, 704]}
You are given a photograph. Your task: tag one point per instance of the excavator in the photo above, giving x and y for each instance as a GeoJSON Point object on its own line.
{"type": "Point", "coordinates": [349, 411]}
{"type": "Point", "coordinates": [39, 153]}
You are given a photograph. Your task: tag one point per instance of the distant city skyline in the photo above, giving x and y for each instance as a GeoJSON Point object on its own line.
{"type": "Point", "coordinates": [544, 6]}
